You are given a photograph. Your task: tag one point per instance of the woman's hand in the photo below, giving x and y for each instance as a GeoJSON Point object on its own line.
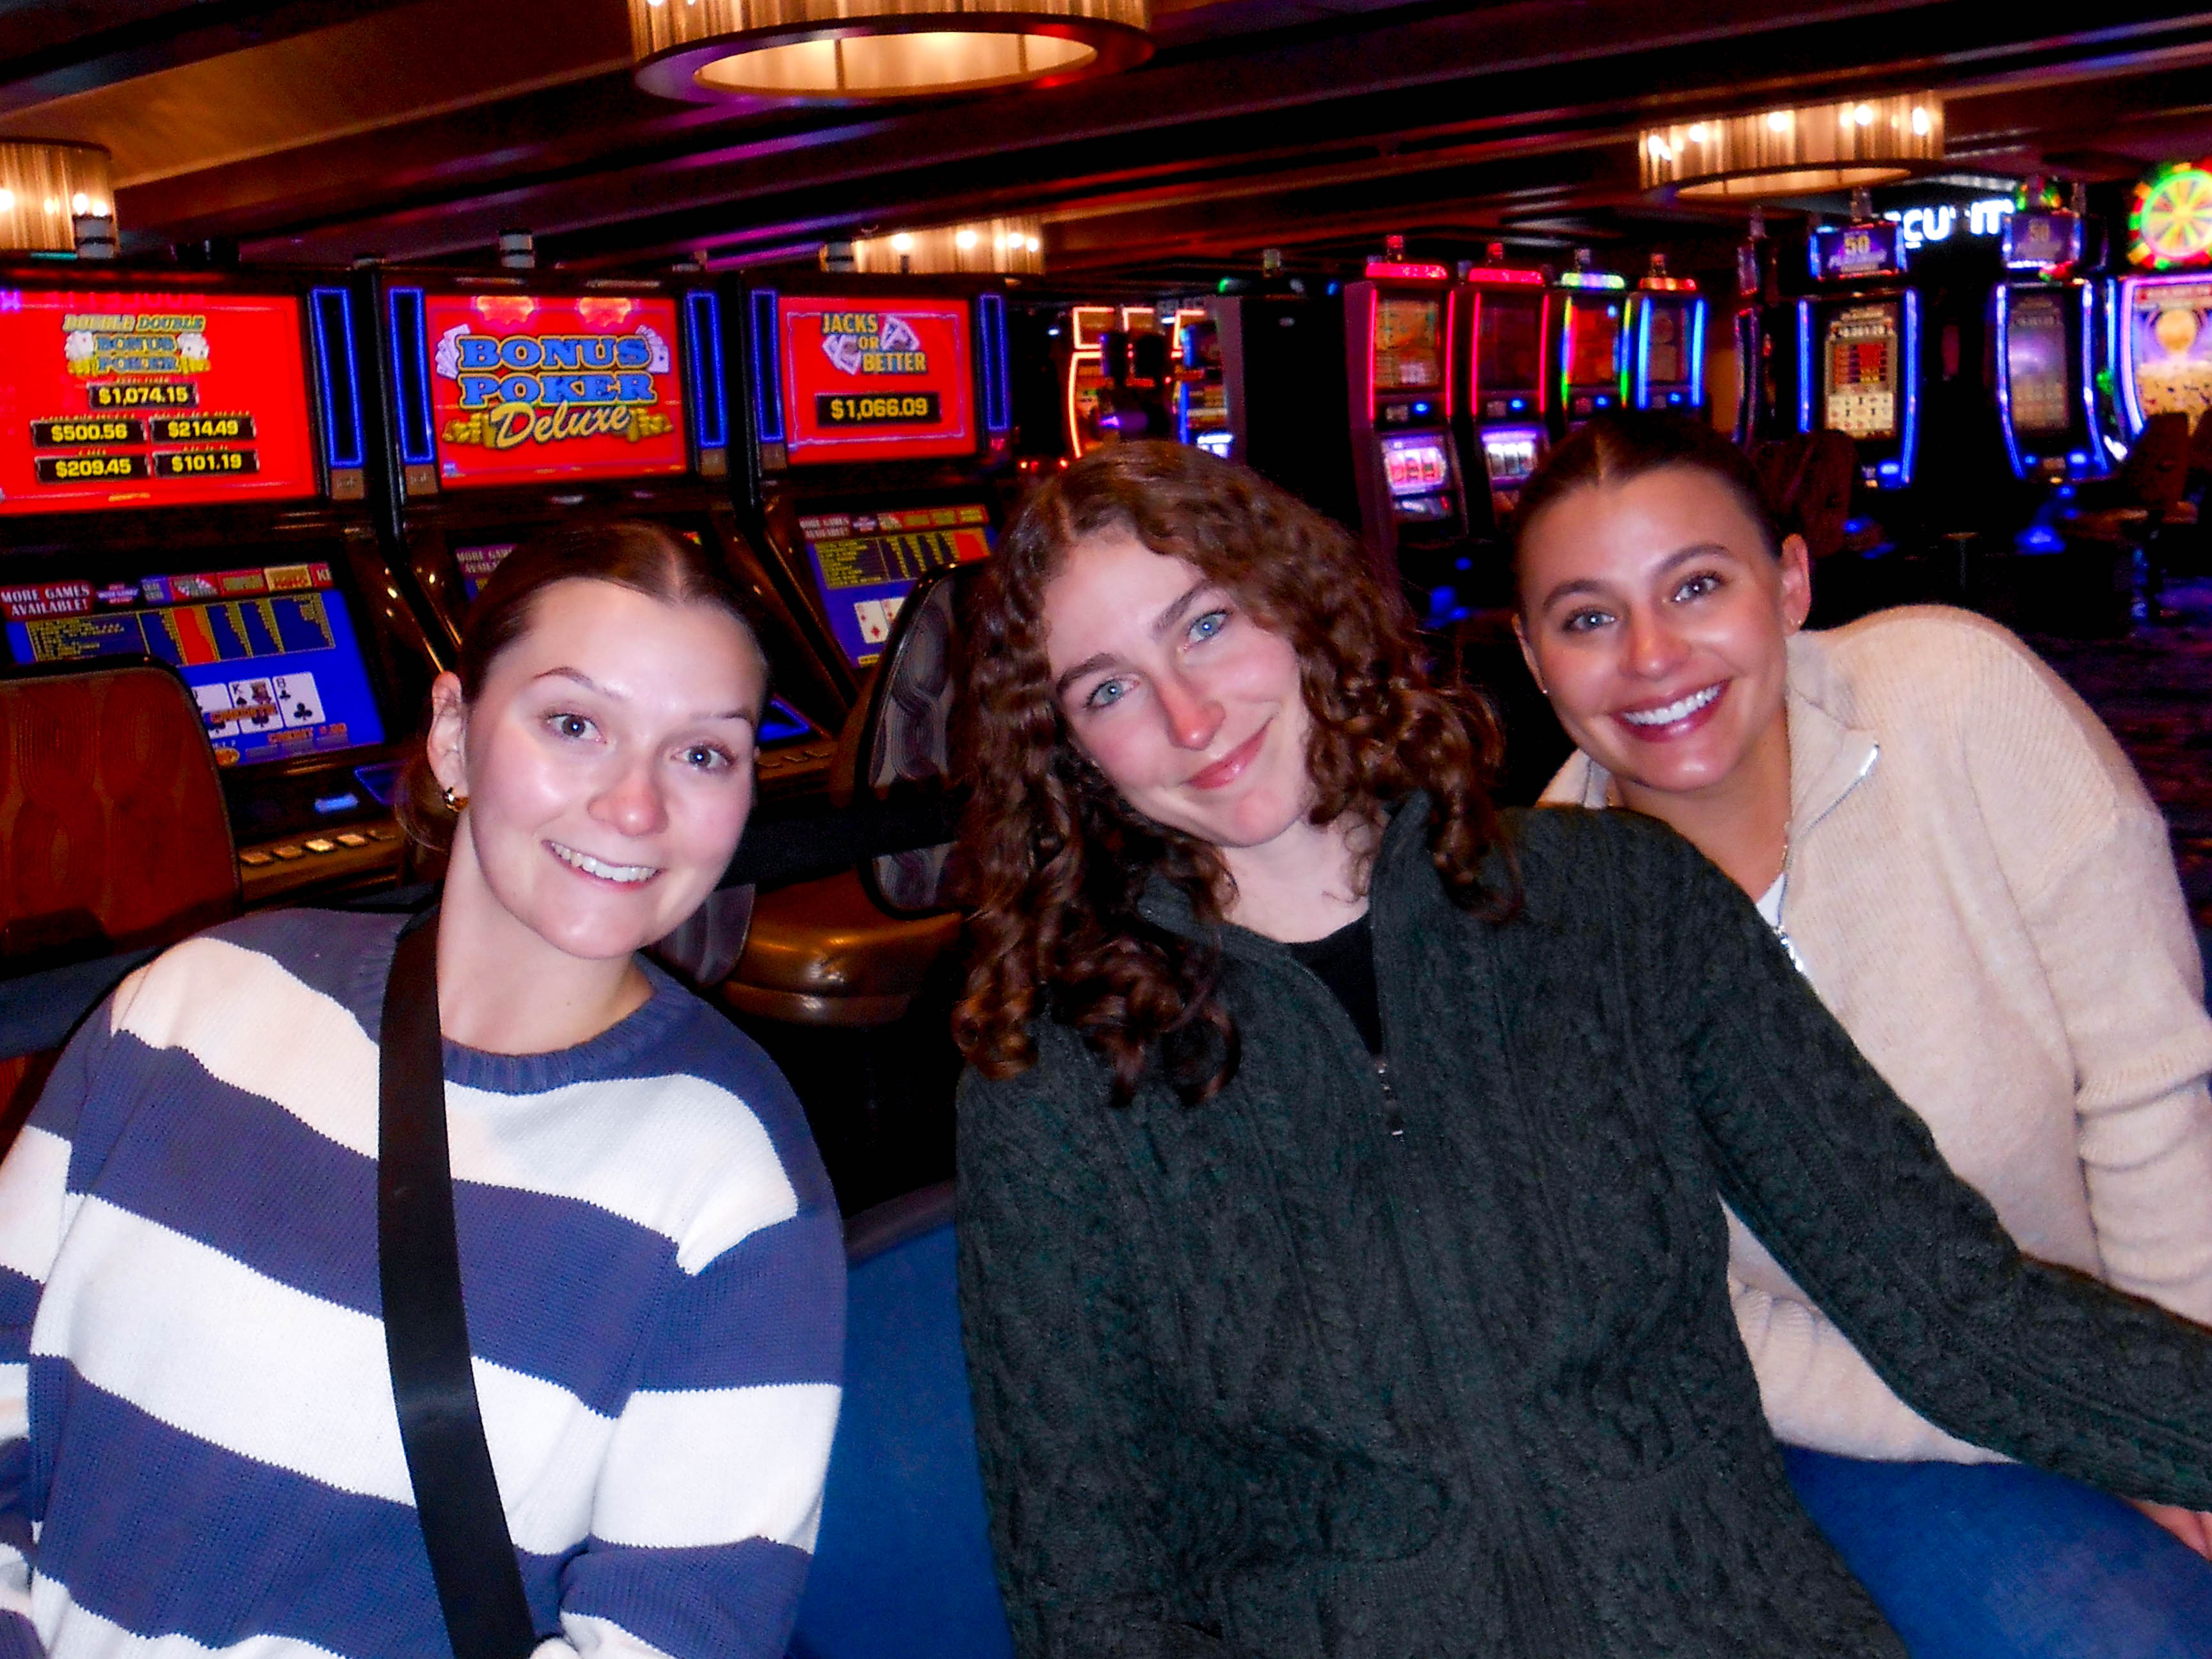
{"type": "Point", "coordinates": [2189, 1526]}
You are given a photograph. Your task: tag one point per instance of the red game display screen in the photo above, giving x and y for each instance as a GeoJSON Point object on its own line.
{"type": "Point", "coordinates": [875, 380]}
{"type": "Point", "coordinates": [525, 388]}
{"type": "Point", "coordinates": [129, 400]}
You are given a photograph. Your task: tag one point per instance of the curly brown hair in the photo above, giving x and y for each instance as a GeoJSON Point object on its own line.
{"type": "Point", "coordinates": [1052, 859]}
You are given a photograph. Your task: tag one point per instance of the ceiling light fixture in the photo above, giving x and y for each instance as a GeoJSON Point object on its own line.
{"type": "Point", "coordinates": [859, 51]}
{"type": "Point", "coordinates": [1004, 247]}
{"type": "Point", "coordinates": [1800, 151]}
{"type": "Point", "coordinates": [44, 188]}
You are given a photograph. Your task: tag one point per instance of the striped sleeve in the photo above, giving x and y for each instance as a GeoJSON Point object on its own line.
{"type": "Point", "coordinates": [704, 1518]}
{"type": "Point", "coordinates": [33, 1211]}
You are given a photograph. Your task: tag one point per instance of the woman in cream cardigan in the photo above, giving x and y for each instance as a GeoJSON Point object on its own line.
{"type": "Point", "coordinates": [1967, 869]}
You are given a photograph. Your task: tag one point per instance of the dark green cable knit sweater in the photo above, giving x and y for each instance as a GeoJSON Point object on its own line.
{"type": "Point", "coordinates": [1264, 1377]}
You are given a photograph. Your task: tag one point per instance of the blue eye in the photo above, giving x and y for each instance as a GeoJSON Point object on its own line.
{"type": "Point", "coordinates": [1582, 621]}
{"type": "Point", "coordinates": [1205, 627]}
{"type": "Point", "coordinates": [1105, 694]}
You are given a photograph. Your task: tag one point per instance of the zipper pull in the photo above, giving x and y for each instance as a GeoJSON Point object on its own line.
{"type": "Point", "coordinates": [1391, 1118]}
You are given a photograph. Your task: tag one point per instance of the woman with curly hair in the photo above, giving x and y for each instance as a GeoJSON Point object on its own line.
{"type": "Point", "coordinates": [1343, 1266]}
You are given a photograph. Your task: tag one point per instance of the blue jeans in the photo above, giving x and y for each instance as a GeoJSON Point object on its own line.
{"type": "Point", "coordinates": [1997, 1561]}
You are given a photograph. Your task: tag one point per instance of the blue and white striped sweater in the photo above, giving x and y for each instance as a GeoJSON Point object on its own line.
{"type": "Point", "coordinates": [194, 1403]}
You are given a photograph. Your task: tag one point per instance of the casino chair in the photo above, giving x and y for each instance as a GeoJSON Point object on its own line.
{"type": "Point", "coordinates": [2113, 520]}
{"type": "Point", "coordinates": [113, 836]}
{"type": "Point", "coordinates": [902, 1564]}
{"type": "Point", "coordinates": [848, 979]}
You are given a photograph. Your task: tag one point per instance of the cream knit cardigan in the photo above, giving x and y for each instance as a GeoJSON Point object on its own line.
{"type": "Point", "coordinates": [1982, 891]}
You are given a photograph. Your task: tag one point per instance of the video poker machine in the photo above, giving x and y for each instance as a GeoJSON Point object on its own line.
{"type": "Point", "coordinates": [881, 424]}
{"type": "Point", "coordinates": [1588, 342]}
{"type": "Point", "coordinates": [1858, 368]}
{"type": "Point", "coordinates": [1666, 343]}
{"type": "Point", "coordinates": [1399, 323]}
{"type": "Point", "coordinates": [2161, 315]}
{"type": "Point", "coordinates": [2044, 335]}
{"type": "Point", "coordinates": [1502, 418]}
{"type": "Point", "coordinates": [183, 476]}
{"type": "Point", "coordinates": [520, 403]}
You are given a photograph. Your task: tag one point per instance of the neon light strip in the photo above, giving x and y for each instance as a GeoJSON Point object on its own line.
{"type": "Point", "coordinates": [1543, 330]}
{"type": "Point", "coordinates": [1908, 371]}
{"type": "Point", "coordinates": [997, 385]}
{"type": "Point", "coordinates": [1697, 353]}
{"type": "Point", "coordinates": [702, 318]}
{"type": "Point", "coordinates": [1605, 279]}
{"type": "Point", "coordinates": [1474, 356]}
{"type": "Point", "coordinates": [1403, 272]}
{"type": "Point", "coordinates": [1642, 307]}
{"type": "Point", "coordinates": [1451, 317]}
{"type": "Point", "coordinates": [412, 389]}
{"type": "Point", "coordinates": [1804, 365]}
{"type": "Point", "coordinates": [1566, 336]}
{"type": "Point", "coordinates": [1505, 276]}
{"type": "Point", "coordinates": [1075, 433]}
{"type": "Point", "coordinates": [2096, 450]}
{"type": "Point", "coordinates": [768, 368]}
{"type": "Point", "coordinates": [343, 443]}
{"type": "Point", "coordinates": [2001, 298]}
{"type": "Point", "coordinates": [1367, 402]}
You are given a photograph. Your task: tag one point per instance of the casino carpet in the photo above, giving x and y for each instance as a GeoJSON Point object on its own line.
{"type": "Point", "coordinates": [2154, 688]}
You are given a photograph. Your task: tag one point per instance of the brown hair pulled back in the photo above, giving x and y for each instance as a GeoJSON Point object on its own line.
{"type": "Point", "coordinates": [1621, 446]}
{"type": "Point", "coordinates": [1055, 861]}
{"type": "Point", "coordinates": [645, 558]}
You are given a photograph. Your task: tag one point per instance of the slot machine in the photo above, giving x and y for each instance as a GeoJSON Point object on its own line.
{"type": "Point", "coordinates": [523, 402]}
{"type": "Point", "coordinates": [1666, 343]}
{"type": "Point", "coordinates": [1502, 416]}
{"type": "Point", "coordinates": [881, 429]}
{"type": "Point", "coordinates": [1397, 345]}
{"type": "Point", "coordinates": [1202, 382]}
{"type": "Point", "coordinates": [1587, 344]}
{"type": "Point", "coordinates": [2159, 317]}
{"type": "Point", "coordinates": [1122, 376]}
{"type": "Point", "coordinates": [1858, 367]}
{"type": "Point", "coordinates": [184, 475]}
{"type": "Point", "coordinates": [1763, 328]}
{"type": "Point", "coordinates": [2044, 333]}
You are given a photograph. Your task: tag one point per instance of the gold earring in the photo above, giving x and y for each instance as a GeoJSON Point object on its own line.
{"type": "Point", "coordinates": [454, 799]}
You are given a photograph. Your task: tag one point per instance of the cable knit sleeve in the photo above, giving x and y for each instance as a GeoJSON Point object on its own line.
{"type": "Point", "coordinates": [2085, 851]}
{"type": "Point", "coordinates": [1066, 1428]}
{"type": "Point", "coordinates": [1841, 1181]}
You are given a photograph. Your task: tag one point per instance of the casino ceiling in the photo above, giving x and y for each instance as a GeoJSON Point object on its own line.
{"type": "Point", "coordinates": [417, 130]}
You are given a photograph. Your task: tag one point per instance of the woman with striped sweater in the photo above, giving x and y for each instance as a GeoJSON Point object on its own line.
{"type": "Point", "coordinates": [202, 1451]}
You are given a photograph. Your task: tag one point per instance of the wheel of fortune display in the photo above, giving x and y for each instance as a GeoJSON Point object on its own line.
{"type": "Point", "coordinates": [2170, 220]}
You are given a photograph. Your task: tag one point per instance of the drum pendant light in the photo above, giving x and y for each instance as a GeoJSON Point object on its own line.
{"type": "Point", "coordinates": [861, 51]}
{"type": "Point", "coordinates": [1812, 148]}
{"type": "Point", "coordinates": [45, 188]}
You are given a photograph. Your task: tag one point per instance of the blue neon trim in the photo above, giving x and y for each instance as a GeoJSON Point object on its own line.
{"type": "Point", "coordinates": [1697, 352]}
{"type": "Point", "coordinates": [997, 385]}
{"type": "Point", "coordinates": [2001, 300]}
{"type": "Point", "coordinates": [767, 368]}
{"type": "Point", "coordinates": [344, 442]}
{"type": "Point", "coordinates": [411, 393]}
{"type": "Point", "coordinates": [1908, 371]}
{"type": "Point", "coordinates": [2124, 324]}
{"type": "Point", "coordinates": [1804, 365]}
{"type": "Point", "coordinates": [2089, 373]}
{"type": "Point", "coordinates": [702, 319]}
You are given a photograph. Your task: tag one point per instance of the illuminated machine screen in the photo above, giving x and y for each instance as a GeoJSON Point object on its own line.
{"type": "Point", "coordinates": [2035, 364]}
{"type": "Point", "coordinates": [1087, 378]}
{"type": "Point", "coordinates": [1420, 473]}
{"type": "Point", "coordinates": [1512, 453]}
{"type": "Point", "coordinates": [1509, 344]}
{"type": "Point", "coordinates": [1859, 370]}
{"type": "Point", "coordinates": [130, 400]}
{"type": "Point", "coordinates": [866, 563]}
{"type": "Point", "coordinates": [1408, 344]}
{"type": "Point", "coordinates": [2170, 329]}
{"type": "Point", "coordinates": [270, 652]}
{"type": "Point", "coordinates": [875, 380]}
{"type": "Point", "coordinates": [527, 388]}
{"type": "Point", "coordinates": [1669, 343]}
{"type": "Point", "coordinates": [1593, 342]}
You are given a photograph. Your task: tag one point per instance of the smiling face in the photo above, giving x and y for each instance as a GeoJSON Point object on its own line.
{"type": "Point", "coordinates": [1656, 621]}
{"type": "Point", "coordinates": [608, 764]}
{"type": "Point", "coordinates": [1173, 689]}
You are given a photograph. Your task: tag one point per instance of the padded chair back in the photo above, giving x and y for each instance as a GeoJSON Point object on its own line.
{"type": "Point", "coordinates": [112, 815]}
{"type": "Point", "coordinates": [902, 1567]}
{"type": "Point", "coordinates": [905, 734]}
{"type": "Point", "coordinates": [2200, 447]}
{"type": "Point", "coordinates": [2157, 468]}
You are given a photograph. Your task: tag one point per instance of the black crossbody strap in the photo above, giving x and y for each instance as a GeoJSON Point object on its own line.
{"type": "Point", "coordinates": [426, 1329]}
